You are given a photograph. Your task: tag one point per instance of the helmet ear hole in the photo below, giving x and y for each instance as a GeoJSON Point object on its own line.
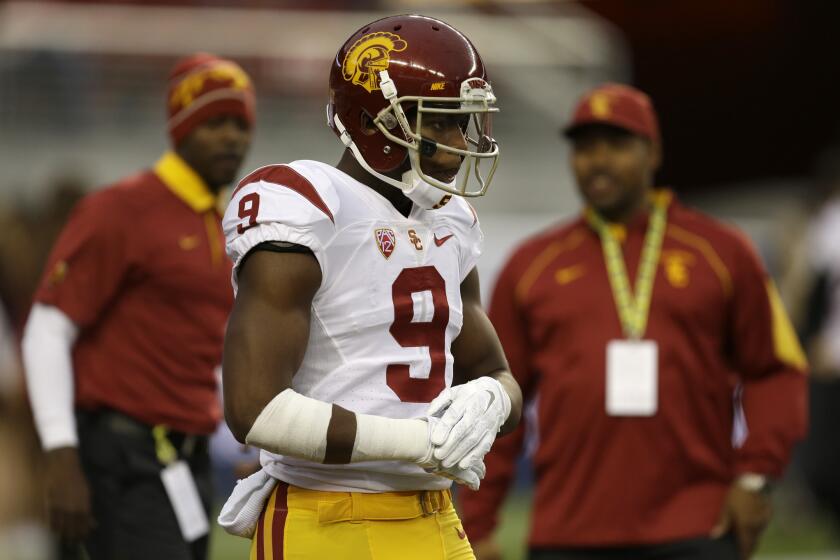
{"type": "Point", "coordinates": [366, 124]}
{"type": "Point", "coordinates": [390, 121]}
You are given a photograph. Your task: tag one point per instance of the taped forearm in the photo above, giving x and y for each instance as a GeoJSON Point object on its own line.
{"type": "Point", "coordinates": [391, 439]}
{"type": "Point", "coordinates": [295, 425]}
{"type": "Point", "coordinates": [47, 358]}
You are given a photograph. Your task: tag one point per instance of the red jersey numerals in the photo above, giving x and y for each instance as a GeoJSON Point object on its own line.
{"type": "Point", "coordinates": [249, 207]}
{"type": "Point", "coordinates": [409, 334]}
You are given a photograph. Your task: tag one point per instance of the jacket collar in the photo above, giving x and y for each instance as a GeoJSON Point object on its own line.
{"type": "Point", "coordinates": [185, 183]}
{"type": "Point", "coordinates": [661, 196]}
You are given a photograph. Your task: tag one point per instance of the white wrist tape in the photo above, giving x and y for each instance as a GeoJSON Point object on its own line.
{"type": "Point", "coordinates": [391, 439]}
{"type": "Point", "coordinates": [293, 425]}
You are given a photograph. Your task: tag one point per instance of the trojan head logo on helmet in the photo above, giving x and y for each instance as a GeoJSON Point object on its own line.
{"type": "Point", "coordinates": [391, 73]}
{"type": "Point", "coordinates": [369, 56]}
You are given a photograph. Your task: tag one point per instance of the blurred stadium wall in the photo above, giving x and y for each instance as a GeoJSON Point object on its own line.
{"type": "Point", "coordinates": [82, 90]}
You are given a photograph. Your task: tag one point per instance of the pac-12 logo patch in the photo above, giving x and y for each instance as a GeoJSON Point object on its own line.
{"type": "Point", "coordinates": [386, 240]}
{"type": "Point", "coordinates": [369, 56]}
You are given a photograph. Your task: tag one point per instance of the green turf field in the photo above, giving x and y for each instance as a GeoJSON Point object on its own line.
{"type": "Point", "coordinates": [791, 533]}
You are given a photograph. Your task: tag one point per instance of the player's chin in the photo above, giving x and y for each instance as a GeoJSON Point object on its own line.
{"type": "Point", "coordinates": [445, 176]}
{"type": "Point", "coordinates": [225, 170]}
{"type": "Point", "coordinates": [602, 198]}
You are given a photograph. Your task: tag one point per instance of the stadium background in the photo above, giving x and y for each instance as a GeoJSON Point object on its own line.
{"type": "Point", "coordinates": [746, 94]}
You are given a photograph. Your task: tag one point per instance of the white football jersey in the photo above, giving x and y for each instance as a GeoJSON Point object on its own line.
{"type": "Point", "coordinates": [387, 311]}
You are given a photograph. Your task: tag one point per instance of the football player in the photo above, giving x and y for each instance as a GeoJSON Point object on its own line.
{"type": "Point", "coordinates": [358, 356]}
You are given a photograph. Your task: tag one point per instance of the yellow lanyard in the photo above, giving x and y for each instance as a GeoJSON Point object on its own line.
{"type": "Point", "coordinates": [633, 306]}
{"type": "Point", "coordinates": [165, 451]}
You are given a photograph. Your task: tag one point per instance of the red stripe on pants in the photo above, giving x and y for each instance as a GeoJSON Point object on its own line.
{"type": "Point", "coordinates": [278, 525]}
{"type": "Point", "coordinates": [259, 536]}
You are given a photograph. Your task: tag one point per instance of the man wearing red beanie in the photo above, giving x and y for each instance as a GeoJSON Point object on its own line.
{"type": "Point", "coordinates": [640, 331]}
{"type": "Point", "coordinates": [125, 335]}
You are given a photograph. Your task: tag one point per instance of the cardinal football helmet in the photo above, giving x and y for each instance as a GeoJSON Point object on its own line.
{"type": "Point", "coordinates": [396, 65]}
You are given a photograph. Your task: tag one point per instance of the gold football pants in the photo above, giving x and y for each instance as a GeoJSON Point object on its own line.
{"type": "Point", "coordinates": [300, 524]}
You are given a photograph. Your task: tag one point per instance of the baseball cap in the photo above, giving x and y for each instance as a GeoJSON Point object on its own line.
{"type": "Point", "coordinates": [617, 105]}
{"type": "Point", "coordinates": [203, 86]}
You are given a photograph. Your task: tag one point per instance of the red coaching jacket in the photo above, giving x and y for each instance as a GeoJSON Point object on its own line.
{"type": "Point", "coordinates": [719, 323]}
{"type": "Point", "coordinates": [140, 268]}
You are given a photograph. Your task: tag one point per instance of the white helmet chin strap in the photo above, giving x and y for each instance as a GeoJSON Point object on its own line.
{"type": "Point", "coordinates": [416, 189]}
{"type": "Point", "coordinates": [348, 143]}
{"type": "Point", "coordinates": [422, 193]}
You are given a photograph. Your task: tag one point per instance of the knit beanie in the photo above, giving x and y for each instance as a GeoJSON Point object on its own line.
{"type": "Point", "coordinates": [202, 86]}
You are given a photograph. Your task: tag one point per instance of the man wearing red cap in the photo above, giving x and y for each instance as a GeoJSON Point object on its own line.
{"type": "Point", "coordinates": [640, 332]}
{"type": "Point", "coordinates": [126, 332]}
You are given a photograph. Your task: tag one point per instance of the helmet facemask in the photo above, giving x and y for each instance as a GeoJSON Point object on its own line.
{"type": "Point", "coordinates": [479, 160]}
{"type": "Point", "coordinates": [480, 157]}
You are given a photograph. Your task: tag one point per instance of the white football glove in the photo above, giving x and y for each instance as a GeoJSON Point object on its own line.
{"type": "Point", "coordinates": [470, 477]}
{"type": "Point", "coordinates": [470, 417]}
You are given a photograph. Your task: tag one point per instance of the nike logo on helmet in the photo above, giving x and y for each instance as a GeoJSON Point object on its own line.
{"type": "Point", "coordinates": [440, 241]}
